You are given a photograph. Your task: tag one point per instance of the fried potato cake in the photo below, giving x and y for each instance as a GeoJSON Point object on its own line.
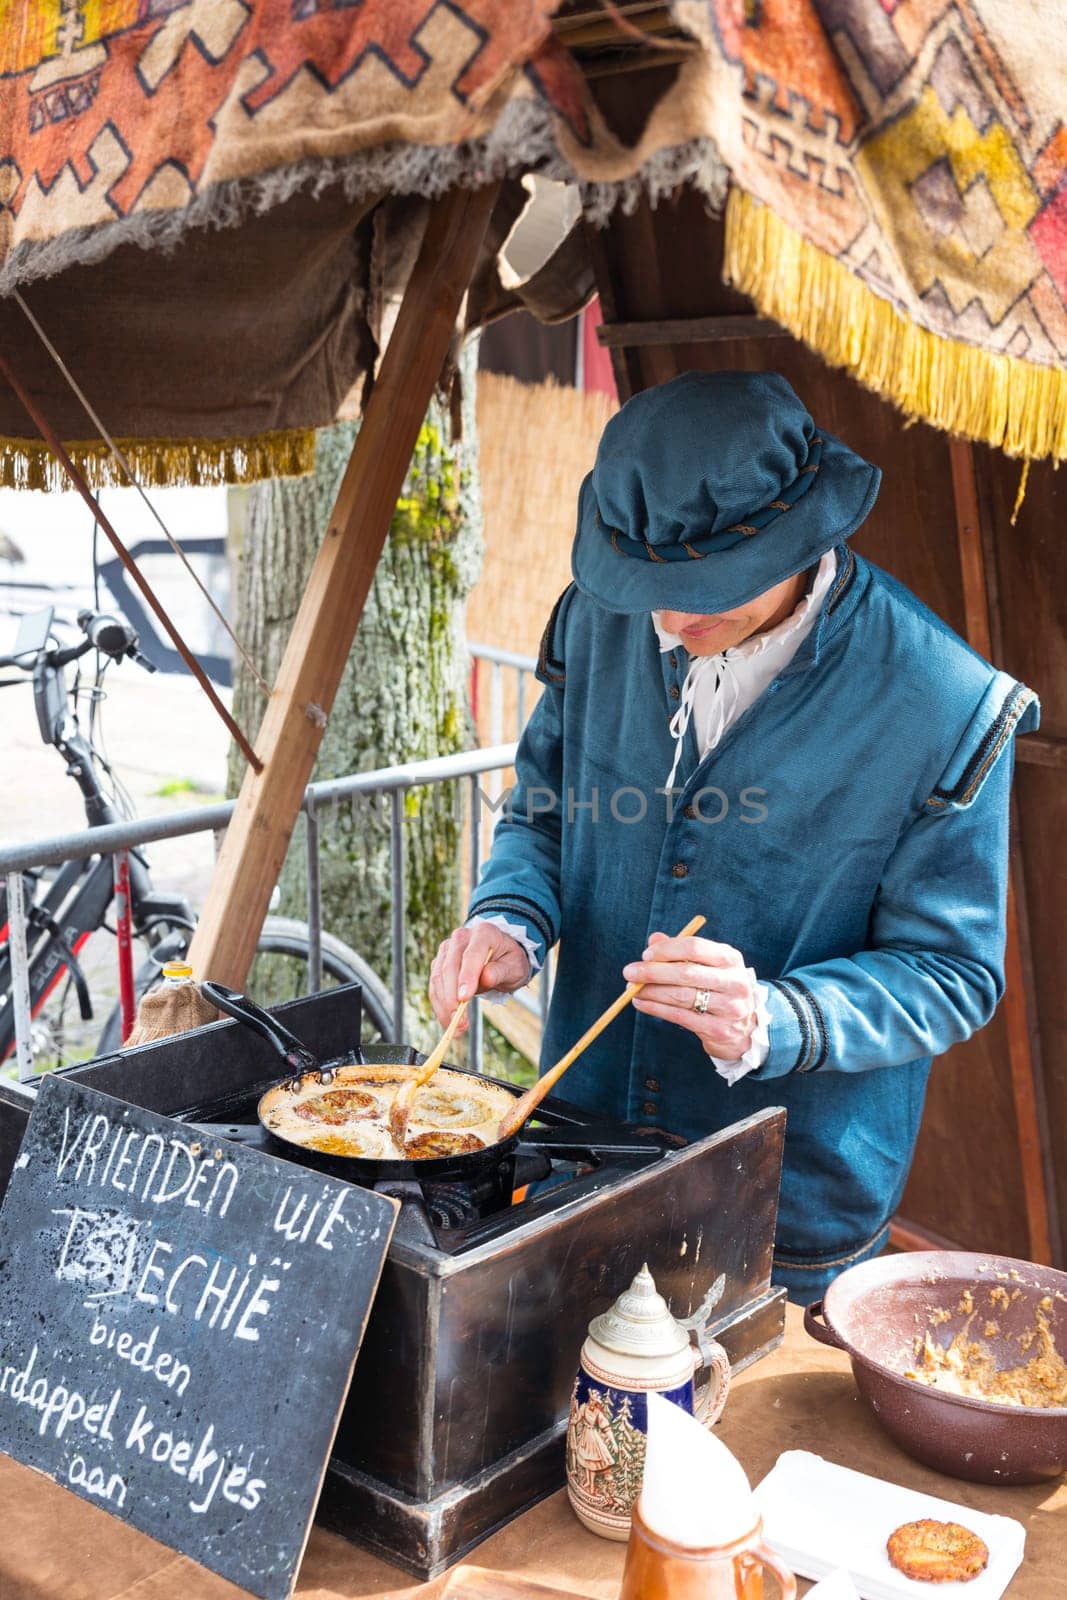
{"type": "Point", "coordinates": [337, 1106]}
{"type": "Point", "coordinates": [441, 1143]}
{"type": "Point", "coordinates": [937, 1552]}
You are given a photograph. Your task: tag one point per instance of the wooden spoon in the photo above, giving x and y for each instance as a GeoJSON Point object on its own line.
{"type": "Point", "coordinates": [401, 1107]}
{"type": "Point", "coordinates": [526, 1104]}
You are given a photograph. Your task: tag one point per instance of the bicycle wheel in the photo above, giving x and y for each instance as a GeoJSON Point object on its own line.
{"type": "Point", "coordinates": [279, 972]}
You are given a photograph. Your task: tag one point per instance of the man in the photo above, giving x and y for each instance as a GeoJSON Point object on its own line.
{"type": "Point", "coordinates": [743, 718]}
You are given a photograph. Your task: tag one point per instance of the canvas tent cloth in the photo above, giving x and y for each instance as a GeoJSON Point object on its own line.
{"type": "Point", "coordinates": [901, 195]}
{"type": "Point", "coordinates": [208, 204]}
{"type": "Point", "coordinates": [211, 204]}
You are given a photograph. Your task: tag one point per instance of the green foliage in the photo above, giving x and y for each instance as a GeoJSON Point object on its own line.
{"type": "Point", "coordinates": [500, 1059]}
{"type": "Point", "coordinates": [175, 786]}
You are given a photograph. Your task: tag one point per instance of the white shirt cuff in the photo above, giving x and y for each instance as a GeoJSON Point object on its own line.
{"type": "Point", "coordinates": [758, 1050]}
{"type": "Point", "coordinates": [519, 934]}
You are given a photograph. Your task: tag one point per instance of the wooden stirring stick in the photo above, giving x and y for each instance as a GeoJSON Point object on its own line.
{"type": "Point", "coordinates": [401, 1107]}
{"type": "Point", "coordinates": [526, 1104]}
{"type": "Point", "coordinates": [402, 1102]}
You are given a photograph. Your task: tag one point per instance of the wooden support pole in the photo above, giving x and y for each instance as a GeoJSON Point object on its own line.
{"type": "Point", "coordinates": [1023, 1058]}
{"type": "Point", "coordinates": [624, 361]}
{"type": "Point", "coordinates": [292, 728]}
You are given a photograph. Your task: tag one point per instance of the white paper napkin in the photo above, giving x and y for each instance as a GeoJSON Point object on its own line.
{"type": "Point", "coordinates": [818, 1517]}
{"type": "Point", "coordinates": [694, 1491]}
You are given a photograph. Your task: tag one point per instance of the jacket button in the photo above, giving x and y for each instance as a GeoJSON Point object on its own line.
{"type": "Point", "coordinates": [680, 870]}
{"type": "Point", "coordinates": [691, 812]}
{"type": "Point", "coordinates": [650, 1108]}
{"type": "Point", "coordinates": [673, 659]}
{"type": "Point", "coordinates": [674, 692]}
{"type": "Point", "coordinates": [652, 1085]}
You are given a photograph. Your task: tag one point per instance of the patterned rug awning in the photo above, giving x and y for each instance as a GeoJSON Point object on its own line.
{"type": "Point", "coordinates": [901, 196]}
{"type": "Point", "coordinates": [191, 203]}
{"type": "Point", "coordinates": [209, 204]}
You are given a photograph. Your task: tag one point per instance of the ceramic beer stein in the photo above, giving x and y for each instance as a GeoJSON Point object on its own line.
{"type": "Point", "coordinates": [634, 1347]}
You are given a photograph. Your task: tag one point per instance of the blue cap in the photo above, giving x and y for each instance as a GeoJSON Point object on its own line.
{"type": "Point", "coordinates": [711, 489]}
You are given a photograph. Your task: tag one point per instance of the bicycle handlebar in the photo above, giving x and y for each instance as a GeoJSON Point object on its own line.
{"type": "Point", "coordinates": [73, 652]}
{"type": "Point", "coordinates": [55, 658]}
{"type": "Point", "coordinates": [107, 633]}
{"type": "Point", "coordinates": [103, 631]}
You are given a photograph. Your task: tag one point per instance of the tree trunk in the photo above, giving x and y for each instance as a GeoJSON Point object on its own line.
{"type": "Point", "coordinates": [403, 696]}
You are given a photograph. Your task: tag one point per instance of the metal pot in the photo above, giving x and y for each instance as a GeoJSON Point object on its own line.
{"type": "Point", "coordinates": [494, 1164]}
{"type": "Point", "coordinates": [874, 1311]}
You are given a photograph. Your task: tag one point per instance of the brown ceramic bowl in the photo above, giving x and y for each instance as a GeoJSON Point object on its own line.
{"type": "Point", "coordinates": [874, 1312]}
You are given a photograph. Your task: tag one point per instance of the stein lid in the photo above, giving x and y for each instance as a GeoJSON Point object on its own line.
{"type": "Point", "coordinates": [640, 1322]}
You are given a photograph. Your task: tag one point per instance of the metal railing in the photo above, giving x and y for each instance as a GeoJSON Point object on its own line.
{"type": "Point", "coordinates": [498, 662]}
{"type": "Point", "coordinates": [117, 838]}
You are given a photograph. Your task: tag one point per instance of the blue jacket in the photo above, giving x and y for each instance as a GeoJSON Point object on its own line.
{"type": "Point", "coordinates": [849, 835]}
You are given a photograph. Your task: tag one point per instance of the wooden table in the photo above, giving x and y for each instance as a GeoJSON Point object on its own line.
{"type": "Point", "coordinates": [56, 1547]}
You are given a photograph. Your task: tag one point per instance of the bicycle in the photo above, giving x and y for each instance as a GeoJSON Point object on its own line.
{"type": "Point", "coordinates": [67, 905]}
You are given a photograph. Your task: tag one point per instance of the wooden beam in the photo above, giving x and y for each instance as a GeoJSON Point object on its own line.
{"type": "Point", "coordinates": [969, 545]}
{"type": "Point", "coordinates": [905, 1235]}
{"type": "Point", "coordinates": [1023, 1046]}
{"type": "Point", "coordinates": [627, 62]}
{"type": "Point", "coordinates": [640, 236]}
{"type": "Point", "coordinates": [689, 330]}
{"type": "Point", "coordinates": [315, 656]}
{"type": "Point", "coordinates": [1042, 750]}
{"type": "Point", "coordinates": [1019, 892]}
{"type": "Point", "coordinates": [624, 364]}
{"type": "Point", "coordinates": [578, 30]}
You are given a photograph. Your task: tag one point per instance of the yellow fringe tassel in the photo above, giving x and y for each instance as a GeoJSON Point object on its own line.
{"type": "Point", "coordinates": [1017, 405]}
{"type": "Point", "coordinates": [160, 463]}
{"type": "Point", "coordinates": [1020, 494]}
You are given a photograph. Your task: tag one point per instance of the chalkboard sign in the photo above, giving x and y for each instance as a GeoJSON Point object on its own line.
{"type": "Point", "coordinates": [178, 1324]}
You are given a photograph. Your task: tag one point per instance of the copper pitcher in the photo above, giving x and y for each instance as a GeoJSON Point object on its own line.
{"type": "Point", "coordinates": [660, 1569]}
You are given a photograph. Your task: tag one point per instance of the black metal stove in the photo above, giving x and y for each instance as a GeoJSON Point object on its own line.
{"type": "Point", "coordinates": [456, 1415]}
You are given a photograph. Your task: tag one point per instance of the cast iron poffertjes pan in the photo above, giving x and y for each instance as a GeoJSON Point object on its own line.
{"type": "Point", "coordinates": [304, 1067]}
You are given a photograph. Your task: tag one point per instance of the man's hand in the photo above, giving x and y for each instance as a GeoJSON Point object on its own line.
{"type": "Point", "coordinates": [472, 961]}
{"type": "Point", "coordinates": [675, 971]}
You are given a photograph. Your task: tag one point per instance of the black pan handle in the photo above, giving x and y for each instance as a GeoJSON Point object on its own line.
{"type": "Point", "coordinates": [296, 1055]}
{"type": "Point", "coordinates": [531, 1166]}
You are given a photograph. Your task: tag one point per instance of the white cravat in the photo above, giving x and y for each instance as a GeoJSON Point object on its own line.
{"type": "Point", "coordinates": [718, 688]}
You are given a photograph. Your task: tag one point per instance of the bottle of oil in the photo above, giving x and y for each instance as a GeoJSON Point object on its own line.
{"type": "Point", "coordinates": [171, 1005]}
{"type": "Point", "coordinates": [175, 974]}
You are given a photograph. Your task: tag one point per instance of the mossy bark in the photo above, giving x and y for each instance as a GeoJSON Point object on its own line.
{"type": "Point", "coordinates": [404, 694]}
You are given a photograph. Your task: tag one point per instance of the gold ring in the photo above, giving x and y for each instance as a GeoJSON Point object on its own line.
{"type": "Point", "coordinates": [701, 999]}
